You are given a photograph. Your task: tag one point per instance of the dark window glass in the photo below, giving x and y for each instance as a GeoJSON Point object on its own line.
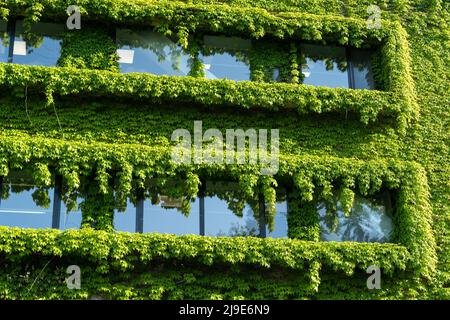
{"type": "Point", "coordinates": [23, 204]}
{"type": "Point", "coordinates": [4, 42]}
{"type": "Point", "coordinates": [324, 66]}
{"type": "Point", "coordinates": [166, 216]}
{"type": "Point", "coordinates": [226, 58]}
{"type": "Point", "coordinates": [125, 218]}
{"type": "Point", "coordinates": [361, 69]}
{"type": "Point", "coordinates": [370, 220]}
{"type": "Point", "coordinates": [40, 47]}
{"type": "Point", "coordinates": [152, 52]}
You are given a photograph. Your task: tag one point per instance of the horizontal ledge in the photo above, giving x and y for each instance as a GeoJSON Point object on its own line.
{"type": "Point", "coordinates": [303, 98]}
{"type": "Point", "coordinates": [122, 248]}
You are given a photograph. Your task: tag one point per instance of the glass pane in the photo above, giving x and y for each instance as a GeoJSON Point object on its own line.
{"type": "Point", "coordinates": [167, 217]}
{"type": "Point", "coordinates": [226, 58]}
{"type": "Point", "coordinates": [70, 219]}
{"type": "Point", "coordinates": [24, 205]}
{"type": "Point", "coordinates": [221, 221]}
{"type": "Point", "coordinates": [324, 66]}
{"type": "Point", "coordinates": [368, 221]}
{"type": "Point", "coordinates": [125, 218]}
{"type": "Point", "coordinates": [280, 225]}
{"type": "Point", "coordinates": [152, 52]}
{"type": "Point", "coordinates": [4, 44]}
{"type": "Point", "coordinates": [362, 69]}
{"type": "Point", "coordinates": [42, 47]}
{"type": "Point", "coordinates": [226, 214]}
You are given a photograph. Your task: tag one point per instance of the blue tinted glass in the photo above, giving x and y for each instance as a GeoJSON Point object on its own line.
{"type": "Point", "coordinates": [4, 43]}
{"type": "Point", "coordinates": [41, 47]}
{"type": "Point", "coordinates": [227, 216]}
{"type": "Point", "coordinates": [324, 66]}
{"type": "Point", "coordinates": [368, 221]}
{"type": "Point", "coordinates": [26, 206]}
{"type": "Point", "coordinates": [362, 69]}
{"type": "Point", "coordinates": [166, 217]}
{"type": "Point", "coordinates": [70, 219]}
{"type": "Point", "coordinates": [152, 52]}
{"type": "Point", "coordinates": [125, 218]}
{"type": "Point", "coordinates": [226, 58]}
{"type": "Point", "coordinates": [280, 225]}
{"type": "Point", "coordinates": [221, 221]}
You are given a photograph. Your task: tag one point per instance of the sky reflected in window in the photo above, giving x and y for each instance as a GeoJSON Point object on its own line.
{"type": "Point", "coordinates": [70, 219]}
{"type": "Point", "coordinates": [26, 206]}
{"type": "Point", "coordinates": [221, 221]}
{"type": "Point", "coordinates": [125, 219]}
{"type": "Point", "coordinates": [228, 215]}
{"type": "Point", "coordinates": [152, 52]}
{"type": "Point", "coordinates": [42, 47]}
{"type": "Point", "coordinates": [4, 42]}
{"type": "Point", "coordinates": [166, 217]}
{"type": "Point", "coordinates": [324, 66]}
{"type": "Point", "coordinates": [368, 221]}
{"type": "Point", "coordinates": [226, 58]}
{"type": "Point", "coordinates": [280, 228]}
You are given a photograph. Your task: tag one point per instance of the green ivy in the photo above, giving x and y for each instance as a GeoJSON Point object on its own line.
{"type": "Point", "coordinates": [121, 145]}
{"type": "Point", "coordinates": [185, 19]}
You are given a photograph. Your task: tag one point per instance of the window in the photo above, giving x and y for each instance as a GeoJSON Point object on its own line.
{"type": "Point", "coordinates": [24, 205]}
{"type": "Point", "coordinates": [152, 52]}
{"type": "Point", "coordinates": [4, 45]}
{"type": "Point", "coordinates": [324, 66]}
{"type": "Point", "coordinates": [336, 67]}
{"type": "Point", "coordinates": [40, 47]}
{"type": "Point", "coordinates": [221, 221]}
{"type": "Point", "coordinates": [166, 216]}
{"type": "Point", "coordinates": [125, 218]}
{"type": "Point", "coordinates": [225, 215]}
{"type": "Point", "coordinates": [370, 220]}
{"type": "Point", "coordinates": [209, 214]}
{"type": "Point", "coordinates": [280, 225]}
{"type": "Point", "coordinates": [226, 58]}
{"type": "Point", "coordinates": [70, 219]}
{"type": "Point", "coordinates": [360, 69]}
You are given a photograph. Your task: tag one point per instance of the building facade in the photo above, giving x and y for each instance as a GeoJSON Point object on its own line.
{"type": "Point", "coordinates": [223, 149]}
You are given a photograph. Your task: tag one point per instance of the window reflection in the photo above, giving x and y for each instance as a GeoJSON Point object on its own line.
{"type": "Point", "coordinates": [125, 218]}
{"type": "Point", "coordinates": [149, 51]}
{"type": "Point", "coordinates": [24, 205]}
{"type": "Point", "coordinates": [71, 216]}
{"type": "Point", "coordinates": [226, 214]}
{"type": "Point", "coordinates": [4, 42]}
{"type": "Point", "coordinates": [324, 66]}
{"type": "Point", "coordinates": [226, 58]}
{"type": "Point", "coordinates": [370, 220]}
{"type": "Point", "coordinates": [40, 47]}
{"type": "Point", "coordinates": [280, 225]}
{"type": "Point", "coordinates": [165, 216]}
{"type": "Point", "coordinates": [221, 221]}
{"type": "Point", "coordinates": [361, 69]}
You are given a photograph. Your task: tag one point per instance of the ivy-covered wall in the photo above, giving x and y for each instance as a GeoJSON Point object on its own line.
{"type": "Point", "coordinates": [101, 126]}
